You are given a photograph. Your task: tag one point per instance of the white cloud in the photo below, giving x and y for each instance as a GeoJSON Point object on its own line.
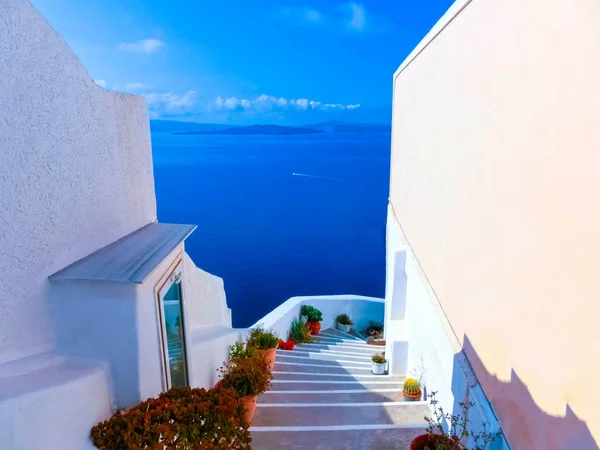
{"type": "Point", "coordinates": [304, 14]}
{"type": "Point", "coordinates": [135, 86]}
{"type": "Point", "coordinates": [269, 103]}
{"type": "Point", "coordinates": [101, 83]}
{"type": "Point", "coordinates": [170, 102]}
{"type": "Point", "coordinates": [358, 16]}
{"type": "Point", "coordinates": [144, 46]}
{"type": "Point", "coordinates": [302, 103]}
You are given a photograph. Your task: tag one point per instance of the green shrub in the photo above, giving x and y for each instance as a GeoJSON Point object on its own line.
{"type": "Point", "coordinates": [311, 313]}
{"type": "Point", "coordinates": [240, 350]}
{"type": "Point", "coordinates": [262, 339]}
{"type": "Point", "coordinates": [374, 329]}
{"type": "Point", "coordinates": [379, 359]}
{"type": "Point", "coordinates": [299, 333]}
{"type": "Point", "coordinates": [343, 319]}
{"type": "Point", "coordinates": [250, 376]}
{"type": "Point", "coordinates": [181, 418]}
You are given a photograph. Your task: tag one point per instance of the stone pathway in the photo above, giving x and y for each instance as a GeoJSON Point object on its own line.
{"type": "Point", "coordinates": [324, 396]}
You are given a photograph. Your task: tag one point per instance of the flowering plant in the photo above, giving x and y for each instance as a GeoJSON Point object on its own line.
{"type": "Point", "coordinates": [181, 418]}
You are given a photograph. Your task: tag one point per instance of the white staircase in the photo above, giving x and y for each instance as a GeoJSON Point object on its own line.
{"type": "Point", "coordinates": [324, 396]}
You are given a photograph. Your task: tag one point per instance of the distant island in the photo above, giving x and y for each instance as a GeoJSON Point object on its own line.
{"type": "Point", "coordinates": [256, 129]}
{"type": "Point", "coordinates": [195, 128]}
{"type": "Point", "coordinates": [351, 127]}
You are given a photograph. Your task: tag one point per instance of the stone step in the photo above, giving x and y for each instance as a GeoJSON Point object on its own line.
{"type": "Point", "coordinates": [281, 366]}
{"type": "Point", "coordinates": [331, 385]}
{"type": "Point", "coordinates": [343, 394]}
{"type": "Point", "coordinates": [386, 437]}
{"type": "Point", "coordinates": [313, 358]}
{"type": "Point", "coordinates": [366, 350]}
{"type": "Point", "coordinates": [326, 355]}
{"type": "Point", "coordinates": [338, 341]}
{"type": "Point", "coordinates": [339, 334]}
{"type": "Point", "coordinates": [326, 414]}
{"type": "Point", "coordinates": [334, 351]}
{"type": "Point", "coordinates": [342, 378]}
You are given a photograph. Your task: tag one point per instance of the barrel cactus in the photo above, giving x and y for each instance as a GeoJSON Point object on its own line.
{"type": "Point", "coordinates": [412, 387]}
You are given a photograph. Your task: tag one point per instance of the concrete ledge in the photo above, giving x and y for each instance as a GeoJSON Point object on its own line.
{"type": "Point", "coordinates": [360, 308]}
{"type": "Point", "coordinates": [54, 406]}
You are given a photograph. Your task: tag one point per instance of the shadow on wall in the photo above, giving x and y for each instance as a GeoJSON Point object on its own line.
{"type": "Point", "coordinates": [525, 425]}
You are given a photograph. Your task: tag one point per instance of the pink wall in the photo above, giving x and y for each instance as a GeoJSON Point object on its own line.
{"type": "Point", "coordinates": [495, 182]}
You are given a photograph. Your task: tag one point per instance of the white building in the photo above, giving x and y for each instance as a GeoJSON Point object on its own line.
{"type": "Point", "coordinates": [92, 287]}
{"type": "Point", "coordinates": [100, 306]}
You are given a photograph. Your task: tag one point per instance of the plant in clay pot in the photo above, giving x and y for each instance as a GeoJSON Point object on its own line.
{"type": "Point", "coordinates": [240, 350]}
{"type": "Point", "coordinates": [457, 434]}
{"type": "Point", "coordinates": [249, 378]}
{"type": "Point", "coordinates": [265, 344]}
{"type": "Point", "coordinates": [378, 364]}
{"type": "Point", "coordinates": [299, 333]}
{"type": "Point", "coordinates": [313, 318]}
{"type": "Point", "coordinates": [289, 345]}
{"type": "Point", "coordinates": [375, 330]}
{"type": "Point", "coordinates": [344, 323]}
{"type": "Point", "coordinates": [412, 389]}
{"type": "Point", "coordinates": [182, 418]}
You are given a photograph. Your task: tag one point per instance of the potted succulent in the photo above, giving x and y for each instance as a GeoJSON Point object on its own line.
{"type": "Point", "coordinates": [412, 390]}
{"type": "Point", "coordinates": [378, 364]}
{"type": "Point", "coordinates": [344, 323]}
{"type": "Point", "coordinates": [455, 435]}
{"type": "Point", "coordinates": [249, 378]}
{"type": "Point", "coordinates": [182, 417]}
{"type": "Point", "coordinates": [313, 318]}
{"type": "Point", "coordinates": [265, 344]}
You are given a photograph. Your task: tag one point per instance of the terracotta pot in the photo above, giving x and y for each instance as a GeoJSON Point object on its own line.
{"type": "Point", "coordinates": [269, 356]}
{"type": "Point", "coordinates": [423, 440]}
{"type": "Point", "coordinates": [250, 405]}
{"type": "Point", "coordinates": [314, 327]}
{"type": "Point", "coordinates": [412, 397]}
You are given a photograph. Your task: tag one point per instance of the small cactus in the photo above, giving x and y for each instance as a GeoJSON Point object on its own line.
{"type": "Point", "coordinates": [412, 386]}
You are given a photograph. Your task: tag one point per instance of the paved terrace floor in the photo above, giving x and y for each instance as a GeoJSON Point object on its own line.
{"type": "Point", "coordinates": [324, 396]}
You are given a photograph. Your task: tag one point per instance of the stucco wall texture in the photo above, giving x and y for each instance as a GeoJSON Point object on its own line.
{"type": "Point", "coordinates": [75, 171]}
{"type": "Point", "coordinates": [495, 184]}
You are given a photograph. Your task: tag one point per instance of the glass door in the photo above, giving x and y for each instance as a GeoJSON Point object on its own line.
{"type": "Point", "coordinates": [173, 332]}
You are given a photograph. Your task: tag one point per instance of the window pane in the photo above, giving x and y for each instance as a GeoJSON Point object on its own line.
{"type": "Point", "coordinates": [174, 330]}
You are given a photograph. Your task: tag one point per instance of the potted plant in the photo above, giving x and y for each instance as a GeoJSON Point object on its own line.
{"type": "Point", "coordinates": [412, 390]}
{"type": "Point", "coordinates": [182, 417]}
{"type": "Point", "coordinates": [437, 438]}
{"type": "Point", "coordinates": [265, 343]}
{"type": "Point", "coordinates": [378, 364]}
{"type": "Point", "coordinates": [313, 318]}
{"type": "Point", "coordinates": [289, 345]}
{"type": "Point", "coordinates": [344, 323]}
{"type": "Point", "coordinates": [249, 378]}
{"type": "Point", "coordinates": [299, 333]}
{"type": "Point", "coordinates": [240, 350]}
{"type": "Point", "coordinates": [374, 331]}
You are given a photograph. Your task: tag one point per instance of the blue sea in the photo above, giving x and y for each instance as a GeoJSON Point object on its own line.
{"type": "Point", "coordinates": [279, 216]}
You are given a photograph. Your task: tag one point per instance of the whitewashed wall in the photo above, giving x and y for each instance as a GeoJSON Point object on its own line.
{"type": "Point", "coordinates": [431, 343]}
{"type": "Point", "coordinates": [75, 171]}
{"type": "Point", "coordinates": [360, 309]}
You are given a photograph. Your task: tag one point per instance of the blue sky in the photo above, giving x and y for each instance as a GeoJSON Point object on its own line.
{"type": "Point", "coordinates": [243, 61]}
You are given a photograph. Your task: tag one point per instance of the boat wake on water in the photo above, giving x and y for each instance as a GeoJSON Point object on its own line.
{"type": "Point", "coordinates": [314, 176]}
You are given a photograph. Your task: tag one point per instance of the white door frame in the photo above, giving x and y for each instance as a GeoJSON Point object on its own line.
{"type": "Point", "coordinates": [174, 276]}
